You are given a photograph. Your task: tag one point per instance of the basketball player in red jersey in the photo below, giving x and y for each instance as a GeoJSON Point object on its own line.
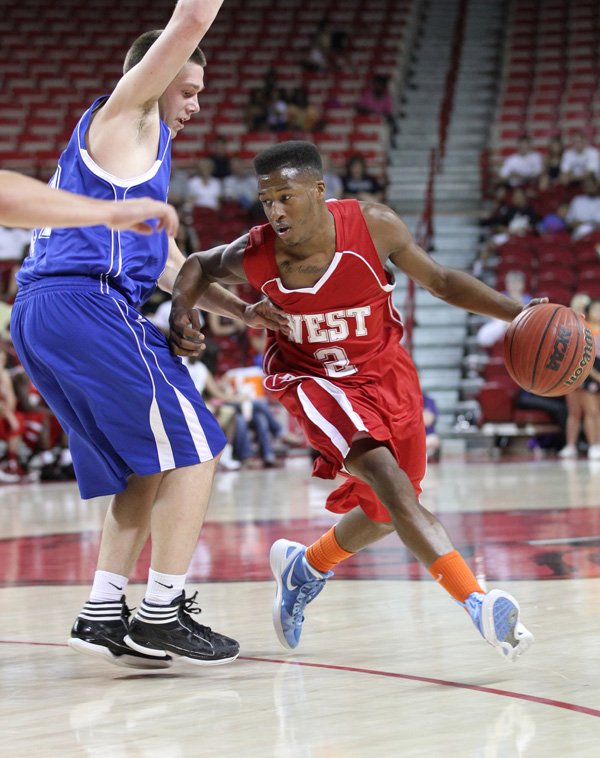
{"type": "Point", "coordinates": [340, 370]}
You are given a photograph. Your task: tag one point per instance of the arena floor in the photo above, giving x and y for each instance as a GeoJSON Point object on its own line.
{"type": "Point", "coordinates": [388, 665]}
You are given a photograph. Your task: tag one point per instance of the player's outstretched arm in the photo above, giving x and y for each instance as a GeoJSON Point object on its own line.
{"type": "Point", "coordinates": [27, 202]}
{"type": "Point", "coordinates": [146, 82]}
{"type": "Point", "coordinates": [197, 286]}
{"type": "Point", "coordinates": [394, 242]}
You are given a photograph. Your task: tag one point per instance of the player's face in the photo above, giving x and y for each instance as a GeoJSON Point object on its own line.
{"type": "Point", "coordinates": [291, 201]}
{"type": "Point", "coordinates": [180, 100]}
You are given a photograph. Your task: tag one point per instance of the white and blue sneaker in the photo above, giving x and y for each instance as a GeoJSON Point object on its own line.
{"type": "Point", "coordinates": [496, 615]}
{"type": "Point", "coordinates": [298, 583]}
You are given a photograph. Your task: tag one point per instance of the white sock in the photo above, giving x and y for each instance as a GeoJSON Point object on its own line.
{"type": "Point", "coordinates": [163, 588]}
{"type": "Point", "coordinates": [108, 587]}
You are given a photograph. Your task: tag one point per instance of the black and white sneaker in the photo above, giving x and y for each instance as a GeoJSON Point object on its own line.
{"type": "Point", "coordinates": [158, 628]}
{"type": "Point", "coordinates": [100, 629]}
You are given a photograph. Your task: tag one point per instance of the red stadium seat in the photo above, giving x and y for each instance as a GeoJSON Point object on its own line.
{"type": "Point", "coordinates": [497, 401]}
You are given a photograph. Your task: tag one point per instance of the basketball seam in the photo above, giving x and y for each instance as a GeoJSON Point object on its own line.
{"type": "Point", "coordinates": [545, 332]}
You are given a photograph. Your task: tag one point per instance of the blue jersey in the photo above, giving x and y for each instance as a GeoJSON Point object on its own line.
{"type": "Point", "coordinates": [128, 262]}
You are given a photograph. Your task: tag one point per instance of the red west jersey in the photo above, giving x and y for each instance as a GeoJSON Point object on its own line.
{"type": "Point", "coordinates": [344, 328]}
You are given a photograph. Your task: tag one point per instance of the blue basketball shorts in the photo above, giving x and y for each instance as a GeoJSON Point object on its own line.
{"type": "Point", "coordinates": [127, 404]}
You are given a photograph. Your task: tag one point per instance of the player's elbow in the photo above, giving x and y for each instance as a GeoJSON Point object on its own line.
{"type": "Point", "coordinates": [195, 14]}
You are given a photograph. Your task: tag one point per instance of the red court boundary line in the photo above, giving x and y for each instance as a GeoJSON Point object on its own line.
{"type": "Point", "coordinates": [375, 672]}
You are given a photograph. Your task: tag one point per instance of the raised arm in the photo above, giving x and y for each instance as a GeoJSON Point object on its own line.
{"type": "Point", "coordinates": [145, 83]}
{"type": "Point", "coordinates": [394, 242]}
{"type": "Point", "coordinates": [27, 202]}
{"type": "Point", "coordinates": [160, 83]}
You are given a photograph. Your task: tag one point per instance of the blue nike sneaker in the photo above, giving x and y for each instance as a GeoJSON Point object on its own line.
{"type": "Point", "coordinates": [496, 616]}
{"type": "Point", "coordinates": [298, 583]}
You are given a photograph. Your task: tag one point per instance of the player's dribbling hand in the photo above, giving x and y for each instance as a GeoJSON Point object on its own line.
{"type": "Point", "coordinates": [265, 315]}
{"type": "Point", "coordinates": [185, 335]}
{"type": "Point", "coordinates": [535, 301]}
{"type": "Point", "coordinates": [134, 215]}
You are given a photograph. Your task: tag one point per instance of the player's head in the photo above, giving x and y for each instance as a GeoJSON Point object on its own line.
{"type": "Point", "coordinates": [180, 100]}
{"type": "Point", "coordinates": [291, 189]}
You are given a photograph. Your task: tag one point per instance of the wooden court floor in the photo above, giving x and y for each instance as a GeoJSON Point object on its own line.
{"type": "Point", "coordinates": [388, 664]}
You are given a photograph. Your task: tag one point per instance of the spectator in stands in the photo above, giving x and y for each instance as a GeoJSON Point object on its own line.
{"type": "Point", "coordinates": [555, 221]}
{"type": "Point", "coordinates": [517, 219]}
{"type": "Point", "coordinates": [358, 184]}
{"type": "Point", "coordinates": [333, 182]}
{"type": "Point", "coordinates": [219, 155]}
{"type": "Point", "coordinates": [507, 216]}
{"type": "Point", "coordinates": [592, 383]}
{"type": "Point", "coordinates": [584, 404]}
{"type": "Point", "coordinates": [580, 161]}
{"type": "Point", "coordinates": [495, 212]}
{"type": "Point", "coordinates": [178, 185]}
{"type": "Point", "coordinates": [12, 426]}
{"type": "Point", "coordinates": [318, 56]}
{"type": "Point", "coordinates": [432, 438]}
{"type": "Point", "coordinates": [523, 167]}
{"type": "Point", "coordinates": [377, 100]}
{"type": "Point", "coordinates": [204, 190]}
{"type": "Point", "coordinates": [186, 237]}
{"type": "Point", "coordinates": [42, 433]}
{"type": "Point", "coordinates": [12, 242]}
{"type": "Point", "coordinates": [241, 187]}
{"type": "Point", "coordinates": [217, 399]}
{"type": "Point", "coordinates": [552, 161]}
{"type": "Point", "coordinates": [277, 110]}
{"type": "Point", "coordinates": [256, 114]}
{"type": "Point", "coordinates": [583, 216]}
{"type": "Point", "coordinates": [302, 115]}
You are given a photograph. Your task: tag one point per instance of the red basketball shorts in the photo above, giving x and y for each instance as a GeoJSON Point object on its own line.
{"type": "Point", "coordinates": [331, 416]}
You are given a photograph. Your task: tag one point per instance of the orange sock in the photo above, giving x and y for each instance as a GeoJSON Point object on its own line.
{"type": "Point", "coordinates": [326, 552]}
{"type": "Point", "coordinates": [455, 576]}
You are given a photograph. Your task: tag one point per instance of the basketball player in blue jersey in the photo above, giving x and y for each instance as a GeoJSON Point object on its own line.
{"type": "Point", "coordinates": [26, 202]}
{"type": "Point", "coordinates": [138, 429]}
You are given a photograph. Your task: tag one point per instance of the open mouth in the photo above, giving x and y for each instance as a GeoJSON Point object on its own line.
{"type": "Point", "coordinates": [282, 231]}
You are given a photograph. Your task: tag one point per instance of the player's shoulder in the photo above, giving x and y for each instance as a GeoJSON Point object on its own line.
{"type": "Point", "coordinates": [381, 219]}
{"type": "Point", "coordinates": [238, 245]}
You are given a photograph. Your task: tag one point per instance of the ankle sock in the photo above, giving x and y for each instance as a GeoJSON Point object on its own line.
{"type": "Point", "coordinates": [108, 587]}
{"type": "Point", "coordinates": [162, 589]}
{"type": "Point", "coordinates": [326, 552]}
{"type": "Point", "coordinates": [455, 576]}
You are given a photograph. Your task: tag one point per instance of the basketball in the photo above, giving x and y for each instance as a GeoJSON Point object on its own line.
{"type": "Point", "coordinates": [549, 350]}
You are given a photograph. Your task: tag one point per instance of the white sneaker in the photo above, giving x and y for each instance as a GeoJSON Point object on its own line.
{"type": "Point", "coordinates": [570, 451]}
{"type": "Point", "coordinates": [6, 478]}
{"type": "Point", "coordinates": [496, 615]}
{"type": "Point", "coordinates": [594, 452]}
{"type": "Point", "coordinates": [227, 461]}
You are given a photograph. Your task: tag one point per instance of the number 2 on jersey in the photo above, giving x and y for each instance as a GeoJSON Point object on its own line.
{"type": "Point", "coordinates": [335, 362]}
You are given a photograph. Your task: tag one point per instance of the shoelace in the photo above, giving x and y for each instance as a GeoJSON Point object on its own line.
{"type": "Point", "coordinates": [306, 593]}
{"type": "Point", "coordinates": [190, 606]}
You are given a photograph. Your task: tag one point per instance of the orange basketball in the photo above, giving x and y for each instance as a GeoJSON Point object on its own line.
{"type": "Point", "coordinates": [549, 350]}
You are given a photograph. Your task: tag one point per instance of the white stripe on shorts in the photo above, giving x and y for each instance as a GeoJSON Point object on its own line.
{"type": "Point", "coordinates": [189, 414]}
{"type": "Point", "coordinates": [320, 421]}
{"type": "Point", "coordinates": [342, 400]}
{"type": "Point", "coordinates": [163, 445]}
